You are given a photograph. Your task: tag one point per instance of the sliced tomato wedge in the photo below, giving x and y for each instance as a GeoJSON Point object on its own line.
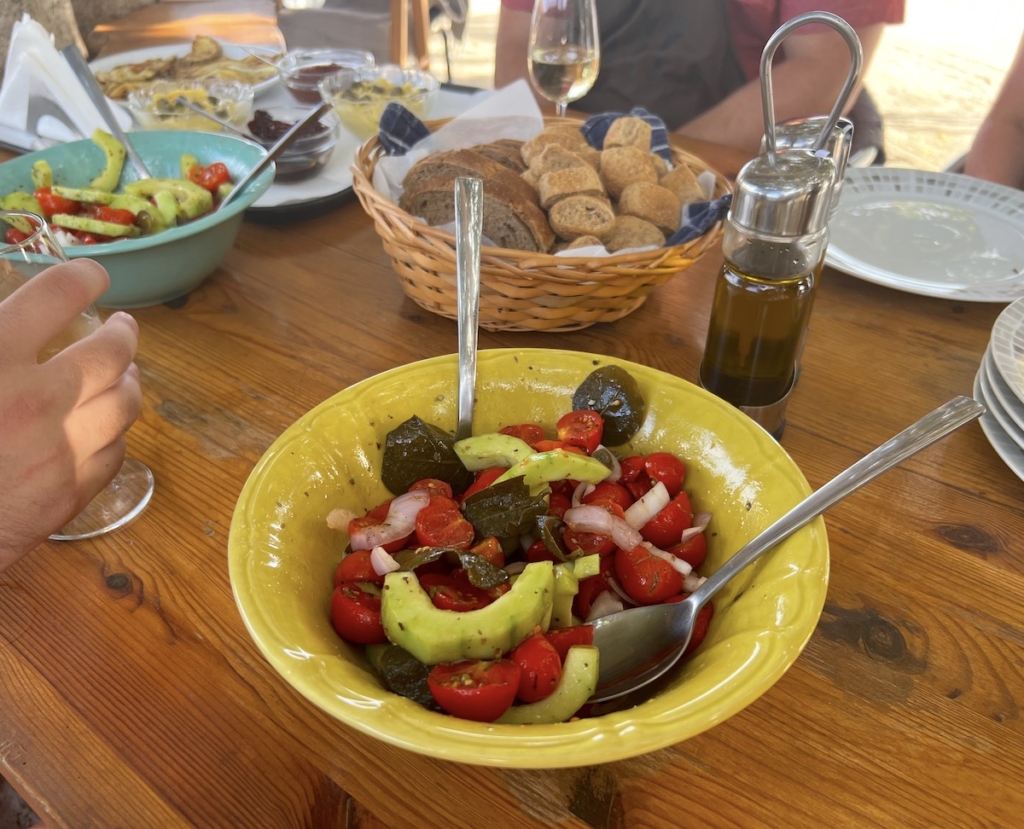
{"type": "Point", "coordinates": [475, 689]}
{"type": "Point", "coordinates": [564, 638]}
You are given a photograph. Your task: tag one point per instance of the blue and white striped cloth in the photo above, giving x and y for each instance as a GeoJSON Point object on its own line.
{"type": "Point", "coordinates": [400, 130]}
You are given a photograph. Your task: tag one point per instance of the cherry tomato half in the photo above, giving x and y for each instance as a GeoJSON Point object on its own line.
{"type": "Point", "coordinates": [114, 215]}
{"type": "Point", "coordinates": [210, 177]}
{"type": "Point", "coordinates": [540, 666]}
{"type": "Point", "coordinates": [484, 478]}
{"type": "Point", "coordinates": [440, 524]}
{"type": "Point", "coordinates": [583, 428]}
{"type": "Point", "coordinates": [356, 566]}
{"type": "Point", "coordinates": [475, 689]}
{"type": "Point", "coordinates": [667, 526]}
{"type": "Point", "coordinates": [667, 468]}
{"type": "Point", "coordinates": [355, 613]}
{"type": "Point", "coordinates": [434, 487]}
{"type": "Point", "coordinates": [53, 204]}
{"type": "Point", "coordinates": [455, 592]}
{"type": "Point", "coordinates": [490, 549]}
{"type": "Point", "coordinates": [700, 624]}
{"type": "Point", "coordinates": [528, 432]}
{"type": "Point", "coordinates": [13, 236]}
{"type": "Point", "coordinates": [609, 491]}
{"type": "Point", "coordinates": [692, 551]}
{"type": "Point", "coordinates": [564, 638]}
{"type": "Point", "coordinates": [645, 577]}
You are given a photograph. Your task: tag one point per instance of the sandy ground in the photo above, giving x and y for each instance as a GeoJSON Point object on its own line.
{"type": "Point", "coordinates": [934, 76]}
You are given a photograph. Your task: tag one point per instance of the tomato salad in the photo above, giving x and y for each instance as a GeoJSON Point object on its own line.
{"type": "Point", "coordinates": [97, 215]}
{"type": "Point", "coordinates": [472, 590]}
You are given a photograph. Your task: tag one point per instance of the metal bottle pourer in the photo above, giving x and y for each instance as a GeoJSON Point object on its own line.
{"type": "Point", "coordinates": [789, 193]}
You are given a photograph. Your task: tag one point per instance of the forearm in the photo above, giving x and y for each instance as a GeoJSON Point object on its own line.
{"type": "Point", "coordinates": [997, 153]}
{"type": "Point", "coordinates": [510, 46]}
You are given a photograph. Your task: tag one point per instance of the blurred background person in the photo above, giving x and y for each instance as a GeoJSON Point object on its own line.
{"type": "Point", "coordinates": [997, 153]}
{"type": "Point", "coordinates": [695, 63]}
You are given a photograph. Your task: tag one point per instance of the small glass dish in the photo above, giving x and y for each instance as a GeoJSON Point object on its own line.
{"type": "Point", "coordinates": [311, 150]}
{"type": "Point", "coordinates": [156, 107]}
{"type": "Point", "coordinates": [360, 96]}
{"type": "Point", "coordinates": [302, 69]}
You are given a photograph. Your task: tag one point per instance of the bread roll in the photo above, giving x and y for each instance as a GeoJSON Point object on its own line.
{"type": "Point", "coordinates": [621, 166]}
{"type": "Point", "coordinates": [506, 151]}
{"type": "Point", "coordinates": [629, 131]}
{"type": "Point", "coordinates": [568, 138]}
{"type": "Point", "coordinates": [658, 205]}
{"type": "Point", "coordinates": [633, 232]}
{"type": "Point", "coordinates": [584, 242]}
{"type": "Point", "coordinates": [577, 216]}
{"type": "Point", "coordinates": [684, 184]}
{"type": "Point", "coordinates": [555, 157]}
{"type": "Point", "coordinates": [571, 181]}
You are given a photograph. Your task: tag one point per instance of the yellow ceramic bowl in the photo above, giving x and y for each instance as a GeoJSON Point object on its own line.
{"type": "Point", "coordinates": [282, 556]}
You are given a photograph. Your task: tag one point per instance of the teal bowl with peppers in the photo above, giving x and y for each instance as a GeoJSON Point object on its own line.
{"type": "Point", "coordinates": [151, 269]}
{"type": "Point", "coordinates": [282, 555]}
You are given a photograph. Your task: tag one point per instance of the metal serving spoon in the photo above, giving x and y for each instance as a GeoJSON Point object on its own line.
{"type": "Point", "coordinates": [469, 208]}
{"type": "Point", "coordinates": [92, 89]}
{"type": "Point", "coordinates": [639, 645]}
{"type": "Point", "coordinates": [181, 100]}
{"type": "Point", "coordinates": [286, 141]}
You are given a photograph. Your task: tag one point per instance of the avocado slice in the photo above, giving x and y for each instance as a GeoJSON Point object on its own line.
{"type": "Point", "coordinates": [88, 195]}
{"type": "Point", "coordinates": [42, 174]}
{"type": "Point", "coordinates": [493, 449]}
{"type": "Point", "coordinates": [114, 152]}
{"type": "Point", "coordinates": [434, 636]}
{"type": "Point", "coordinates": [567, 585]}
{"type": "Point", "coordinates": [84, 223]}
{"type": "Point", "coordinates": [577, 685]}
{"type": "Point", "coordinates": [557, 465]}
{"type": "Point", "coordinates": [19, 200]}
{"type": "Point", "coordinates": [192, 200]}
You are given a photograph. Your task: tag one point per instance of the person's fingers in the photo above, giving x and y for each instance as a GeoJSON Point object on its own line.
{"type": "Point", "coordinates": [47, 304]}
{"type": "Point", "coordinates": [95, 472]}
{"type": "Point", "coordinates": [89, 366]}
{"type": "Point", "coordinates": [105, 417]}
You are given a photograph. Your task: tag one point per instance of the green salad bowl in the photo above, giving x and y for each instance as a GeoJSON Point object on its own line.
{"type": "Point", "coordinates": [149, 270]}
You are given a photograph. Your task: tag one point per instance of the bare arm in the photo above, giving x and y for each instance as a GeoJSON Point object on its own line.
{"type": "Point", "coordinates": [807, 82]}
{"type": "Point", "coordinates": [510, 46]}
{"type": "Point", "coordinates": [997, 153]}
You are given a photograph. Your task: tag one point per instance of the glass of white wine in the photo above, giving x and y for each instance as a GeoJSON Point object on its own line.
{"type": "Point", "coordinates": [564, 54]}
{"type": "Point", "coordinates": [27, 247]}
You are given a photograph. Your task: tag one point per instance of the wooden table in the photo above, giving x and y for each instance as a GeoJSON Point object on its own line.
{"type": "Point", "coordinates": [131, 694]}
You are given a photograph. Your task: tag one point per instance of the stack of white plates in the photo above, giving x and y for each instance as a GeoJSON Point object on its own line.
{"type": "Point", "coordinates": [999, 384]}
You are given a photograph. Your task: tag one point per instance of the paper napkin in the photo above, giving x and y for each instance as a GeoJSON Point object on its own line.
{"type": "Point", "coordinates": [38, 79]}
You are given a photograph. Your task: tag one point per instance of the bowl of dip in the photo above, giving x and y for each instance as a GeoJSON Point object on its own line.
{"type": "Point", "coordinates": [301, 70]}
{"type": "Point", "coordinates": [157, 107]}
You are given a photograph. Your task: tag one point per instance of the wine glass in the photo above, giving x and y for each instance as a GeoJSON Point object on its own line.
{"type": "Point", "coordinates": [564, 54]}
{"type": "Point", "coordinates": [23, 255]}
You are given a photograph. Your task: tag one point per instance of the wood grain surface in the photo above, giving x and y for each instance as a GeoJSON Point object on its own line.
{"type": "Point", "coordinates": [132, 695]}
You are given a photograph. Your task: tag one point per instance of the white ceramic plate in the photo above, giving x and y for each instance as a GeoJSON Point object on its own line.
{"type": "Point", "coordinates": [1006, 399]}
{"type": "Point", "coordinates": [1007, 346]}
{"type": "Point", "coordinates": [935, 234]}
{"type": "Point", "coordinates": [176, 50]}
{"type": "Point", "coordinates": [1011, 454]}
{"type": "Point", "coordinates": [1013, 431]}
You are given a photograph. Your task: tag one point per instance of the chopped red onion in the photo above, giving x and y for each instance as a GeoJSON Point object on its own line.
{"type": "Point", "coordinates": [649, 505]}
{"type": "Point", "coordinates": [339, 519]}
{"type": "Point", "coordinates": [614, 585]}
{"type": "Point", "coordinates": [691, 581]}
{"type": "Point", "coordinates": [382, 561]}
{"type": "Point", "coordinates": [581, 491]}
{"type": "Point", "coordinates": [399, 523]}
{"type": "Point", "coordinates": [700, 523]}
{"type": "Point", "coordinates": [514, 567]}
{"type": "Point", "coordinates": [605, 604]}
{"type": "Point", "coordinates": [616, 467]}
{"type": "Point", "coordinates": [597, 520]}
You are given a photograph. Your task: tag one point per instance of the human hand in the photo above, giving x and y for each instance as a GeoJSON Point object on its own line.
{"type": "Point", "coordinates": [62, 422]}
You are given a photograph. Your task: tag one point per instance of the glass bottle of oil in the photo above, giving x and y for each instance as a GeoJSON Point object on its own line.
{"type": "Point", "coordinates": [773, 247]}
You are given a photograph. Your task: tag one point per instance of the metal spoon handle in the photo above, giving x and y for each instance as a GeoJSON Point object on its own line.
{"type": "Point", "coordinates": [286, 141]}
{"type": "Point", "coordinates": [939, 423]}
{"type": "Point", "coordinates": [92, 89]}
{"type": "Point", "coordinates": [469, 201]}
{"type": "Point", "coordinates": [181, 100]}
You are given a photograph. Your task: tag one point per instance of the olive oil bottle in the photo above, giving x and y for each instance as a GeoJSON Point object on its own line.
{"type": "Point", "coordinates": [773, 247]}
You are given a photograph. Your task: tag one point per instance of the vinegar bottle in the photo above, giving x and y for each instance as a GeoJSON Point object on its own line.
{"type": "Point", "coordinates": [773, 248]}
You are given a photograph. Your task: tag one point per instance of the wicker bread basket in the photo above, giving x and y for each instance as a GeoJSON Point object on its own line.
{"type": "Point", "coordinates": [523, 290]}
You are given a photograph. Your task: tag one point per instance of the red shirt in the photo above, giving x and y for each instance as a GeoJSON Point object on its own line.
{"type": "Point", "coordinates": [753, 22]}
